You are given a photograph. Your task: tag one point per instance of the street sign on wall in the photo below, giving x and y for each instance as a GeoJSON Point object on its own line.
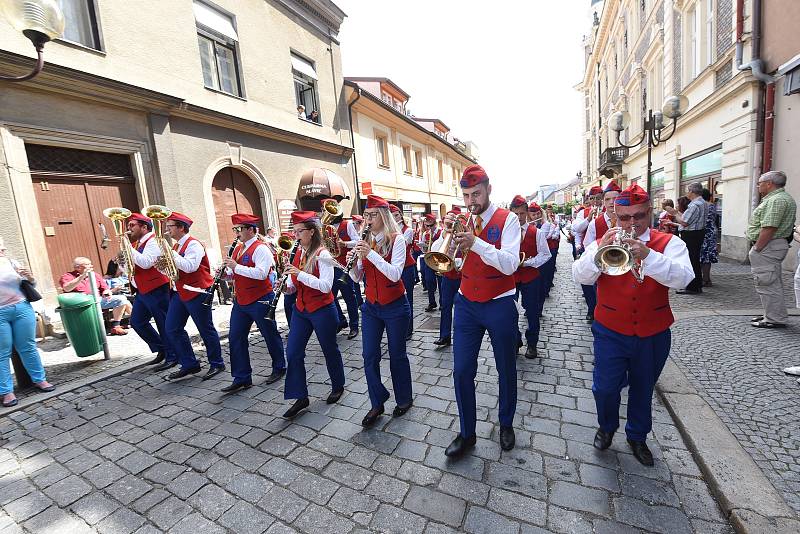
{"type": "Point", "coordinates": [366, 188]}
{"type": "Point", "coordinates": [285, 209]}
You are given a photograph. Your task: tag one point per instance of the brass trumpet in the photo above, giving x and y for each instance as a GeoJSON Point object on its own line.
{"type": "Point", "coordinates": [331, 210]}
{"type": "Point", "coordinates": [118, 216]}
{"type": "Point", "coordinates": [165, 263]}
{"type": "Point", "coordinates": [617, 259]}
{"type": "Point", "coordinates": [443, 259]}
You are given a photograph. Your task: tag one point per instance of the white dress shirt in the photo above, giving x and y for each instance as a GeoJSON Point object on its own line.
{"type": "Point", "coordinates": [591, 230]}
{"type": "Point", "coordinates": [352, 233]}
{"type": "Point", "coordinates": [191, 259]}
{"type": "Point", "coordinates": [672, 268]}
{"type": "Point", "coordinates": [506, 258]}
{"type": "Point", "coordinates": [323, 282]}
{"type": "Point", "coordinates": [392, 270]}
{"type": "Point", "coordinates": [408, 235]}
{"type": "Point", "coordinates": [262, 257]}
{"type": "Point", "coordinates": [542, 251]}
{"type": "Point", "coordinates": [579, 226]}
{"type": "Point", "coordinates": [147, 258]}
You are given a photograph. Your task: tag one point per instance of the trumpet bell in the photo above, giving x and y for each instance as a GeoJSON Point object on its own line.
{"type": "Point", "coordinates": [331, 210]}
{"type": "Point", "coordinates": [439, 262]}
{"type": "Point", "coordinates": [613, 260]}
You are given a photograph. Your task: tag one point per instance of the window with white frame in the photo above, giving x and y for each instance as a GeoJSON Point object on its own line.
{"type": "Point", "coordinates": [218, 42]}
{"type": "Point", "coordinates": [418, 163]}
{"type": "Point", "coordinates": [699, 29]}
{"type": "Point", "coordinates": [407, 159]}
{"type": "Point", "coordinates": [709, 35]}
{"type": "Point", "coordinates": [382, 149]}
{"type": "Point", "coordinates": [305, 86]}
{"type": "Point", "coordinates": [80, 22]}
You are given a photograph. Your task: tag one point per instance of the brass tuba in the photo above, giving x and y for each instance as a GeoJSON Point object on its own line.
{"type": "Point", "coordinates": [443, 259]}
{"type": "Point", "coordinates": [118, 217]}
{"type": "Point", "coordinates": [331, 210]}
{"type": "Point", "coordinates": [617, 259]}
{"type": "Point", "coordinates": [165, 263]}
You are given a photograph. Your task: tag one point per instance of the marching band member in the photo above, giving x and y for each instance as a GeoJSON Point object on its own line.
{"type": "Point", "coordinates": [346, 235]}
{"type": "Point", "coordinates": [485, 302]}
{"type": "Point", "coordinates": [449, 285]}
{"type": "Point", "coordinates": [528, 276]}
{"type": "Point", "coordinates": [380, 263]}
{"type": "Point", "coordinates": [552, 232]}
{"type": "Point", "coordinates": [152, 292]}
{"type": "Point", "coordinates": [288, 300]}
{"type": "Point", "coordinates": [430, 234]}
{"type": "Point", "coordinates": [632, 320]}
{"type": "Point", "coordinates": [250, 266]}
{"type": "Point", "coordinates": [194, 277]}
{"type": "Point", "coordinates": [311, 278]}
{"type": "Point", "coordinates": [579, 227]}
{"type": "Point", "coordinates": [416, 252]}
{"type": "Point", "coordinates": [409, 269]}
{"type": "Point", "coordinates": [600, 224]}
{"type": "Point", "coordinates": [358, 222]}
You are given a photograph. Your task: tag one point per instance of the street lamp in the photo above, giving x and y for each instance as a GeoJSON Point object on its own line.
{"type": "Point", "coordinates": [674, 106]}
{"type": "Point", "coordinates": [38, 20]}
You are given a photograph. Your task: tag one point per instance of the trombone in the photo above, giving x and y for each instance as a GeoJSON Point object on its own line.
{"type": "Point", "coordinates": [118, 217]}
{"type": "Point", "coordinates": [331, 210]}
{"type": "Point", "coordinates": [165, 263]}
{"type": "Point", "coordinates": [443, 259]}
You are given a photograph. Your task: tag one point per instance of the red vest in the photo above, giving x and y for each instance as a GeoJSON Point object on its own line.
{"type": "Point", "coordinates": [201, 278]}
{"type": "Point", "coordinates": [248, 290]}
{"type": "Point", "coordinates": [309, 299]}
{"type": "Point", "coordinates": [481, 282]}
{"type": "Point", "coordinates": [409, 258]}
{"type": "Point", "coordinates": [525, 275]}
{"type": "Point", "coordinates": [147, 279]}
{"type": "Point", "coordinates": [600, 227]}
{"type": "Point", "coordinates": [633, 309]}
{"type": "Point", "coordinates": [381, 290]}
{"type": "Point", "coordinates": [344, 236]}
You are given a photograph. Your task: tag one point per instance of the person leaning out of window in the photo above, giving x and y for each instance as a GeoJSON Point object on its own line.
{"type": "Point", "coordinates": [17, 329]}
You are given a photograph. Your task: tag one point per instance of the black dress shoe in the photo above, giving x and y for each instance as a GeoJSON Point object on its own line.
{"type": "Point", "coordinates": [334, 397]}
{"type": "Point", "coordinates": [298, 406]}
{"type": "Point", "coordinates": [531, 352]}
{"type": "Point", "coordinates": [507, 438]}
{"type": "Point", "coordinates": [275, 376]}
{"type": "Point", "coordinates": [353, 333]}
{"type": "Point", "coordinates": [431, 308]}
{"type": "Point", "coordinates": [520, 344]}
{"type": "Point", "coordinates": [341, 327]}
{"type": "Point", "coordinates": [236, 386]}
{"type": "Point", "coordinates": [164, 366]}
{"type": "Point", "coordinates": [214, 371]}
{"type": "Point", "coordinates": [158, 359]}
{"type": "Point", "coordinates": [641, 452]}
{"type": "Point", "coordinates": [443, 342]}
{"type": "Point", "coordinates": [372, 416]}
{"type": "Point", "coordinates": [400, 411]}
{"type": "Point", "coordinates": [459, 446]}
{"type": "Point", "coordinates": [688, 292]}
{"type": "Point", "coordinates": [602, 440]}
{"type": "Point", "coordinates": [589, 317]}
{"type": "Point", "coordinates": [180, 373]}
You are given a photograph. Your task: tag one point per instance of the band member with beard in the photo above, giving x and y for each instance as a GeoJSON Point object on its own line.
{"type": "Point", "coordinates": [409, 269]}
{"type": "Point", "coordinates": [485, 303]}
{"type": "Point", "coordinates": [632, 319]}
{"type": "Point", "coordinates": [381, 258]}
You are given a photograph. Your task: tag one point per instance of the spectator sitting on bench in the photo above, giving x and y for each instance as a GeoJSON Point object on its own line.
{"type": "Point", "coordinates": [77, 281]}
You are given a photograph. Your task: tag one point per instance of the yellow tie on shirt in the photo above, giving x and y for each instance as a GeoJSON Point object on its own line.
{"type": "Point", "coordinates": [302, 260]}
{"type": "Point", "coordinates": [478, 225]}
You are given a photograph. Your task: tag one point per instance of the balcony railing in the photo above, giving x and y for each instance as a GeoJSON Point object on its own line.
{"type": "Point", "coordinates": [611, 160]}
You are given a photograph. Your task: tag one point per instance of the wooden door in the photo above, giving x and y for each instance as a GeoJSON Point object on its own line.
{"type": "Point", "coordinates": [234, 192]}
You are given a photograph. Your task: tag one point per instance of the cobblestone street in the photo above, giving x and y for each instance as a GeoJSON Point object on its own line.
{"type": "Point", "coordinates": [138, 454]}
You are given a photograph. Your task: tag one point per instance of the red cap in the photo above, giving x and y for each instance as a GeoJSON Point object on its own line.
{"type": "Point", "coordinates": [612, 186]}
{"type": "Point", "coordinates": [595, 190]}
{"type": "Point", "coordinates": [473, 175]}
{"type": "Point", "coordinates": [518, 201]}
{"type": "Point", "coordinates": [305, 217]}
{"type": "Point", "coordinates": [393, 208]}
{"type": "Point", "coordinates": [534, 207]}
{"type": "Point", "coordinates": [430, 217]}
{"type": "Point", "coordinates": [180, 217]}
{"type": "Point", "coordinates": [138, 217]}
{"type": "Point", "coordinates": [374, 201]}
{"type": "Point", "coordinates": [244, 219]}
{"type": "Point", "coordinates": [358, 218]}
{"type": "Point", "coordinates": [632, 196]}
{"type": "Point", "coordinates": [456, 210]}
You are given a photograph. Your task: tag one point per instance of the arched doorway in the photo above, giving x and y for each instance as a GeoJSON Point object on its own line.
{"type": "Point", "coordinates": [233, 192]}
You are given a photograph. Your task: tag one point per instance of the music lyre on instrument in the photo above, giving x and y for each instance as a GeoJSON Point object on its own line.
{"type": "Point", "coordinates": [118, 217]}
{"type": "Point", "coordinates": [165, 263]}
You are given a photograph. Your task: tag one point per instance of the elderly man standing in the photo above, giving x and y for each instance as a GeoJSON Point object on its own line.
{"type": "Point", "coordinates": [692, 224]}
{"type": "Point", "coordinates": [770, 233]}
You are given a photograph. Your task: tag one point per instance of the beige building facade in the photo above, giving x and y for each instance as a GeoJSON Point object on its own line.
{"type": "Point", "coordinates": [197, 109]}
{"type": "Point", "coordinates": [412, 162]}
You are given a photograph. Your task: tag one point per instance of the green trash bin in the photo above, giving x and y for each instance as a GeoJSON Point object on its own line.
{"type": "Point", "coordinates": [81, 323]}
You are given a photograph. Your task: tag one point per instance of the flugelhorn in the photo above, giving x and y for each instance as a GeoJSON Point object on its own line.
{"type": "Point", "coordinates": [118, 217]}
{"type": "Point", "coordinates": [165, 263]}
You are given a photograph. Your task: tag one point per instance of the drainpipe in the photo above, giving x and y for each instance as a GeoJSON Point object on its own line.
{"type": "Point", "coordinates": [353, 143]}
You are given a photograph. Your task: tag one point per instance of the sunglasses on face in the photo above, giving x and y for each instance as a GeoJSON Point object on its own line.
{"type": "Point", "coordinates": [636, 216]}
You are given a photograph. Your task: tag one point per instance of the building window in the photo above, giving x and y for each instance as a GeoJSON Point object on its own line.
{"type": "Point", "coordinates": [456, 175]}
{"type": "Point", "coordinates": [218, 41]}
{"type": "Point", "coordinates": [709, 37]}
{"type": "Point", "coordinates": [80, 22]}
{"type": "Point", "coordinates": [440, 170]}
{"type": "Point", "coordinates": [305, 86]}
{"type": "Point", "coordinates": [382, 149]}
{"type": "Point", "coordinates": [418, 162]}
{"type": "Point", "coordinates": [407, 159]}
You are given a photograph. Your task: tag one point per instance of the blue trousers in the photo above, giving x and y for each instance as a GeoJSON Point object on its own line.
{"type": "Point", "coordinates": [431, 282]}
{"type": "Point", "coordinates": [590, 296]}
{"type": "Point", "coordinates": [153, 305]}
{"type": "Point", "coordinates": [242, 318]}
{"type": "Point", "coordinates": [546, 273]}
{"type": "Point", "coordinates": [18, 328]}
{"type": "Point", "coordinates": [531, 295]}
{"type": "Point", "coordinates": [621, 360]}
{"type": "Point", "coordinates": [499, 317]}
{"type": "Point", "coordinates": [348, 294]}
{"type": "Point", "coordinates": [177, 316]}
{"type": "Point", "coordinates": [449, 289]}
{"type": "Point", "coordinates": [288, 306]}
{"type": "Point", "coordinates": [323, 323]}
{"type": "Point", "coordinates": [408, 278]}
{"type": "Point", "coordinates": [393, 318]}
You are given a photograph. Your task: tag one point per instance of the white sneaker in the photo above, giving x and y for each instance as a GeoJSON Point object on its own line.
{"type": "Point", "coordinates": [795, 371]}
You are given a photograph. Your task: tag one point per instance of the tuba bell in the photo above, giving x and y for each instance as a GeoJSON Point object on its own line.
{"type": "Point", "coordinates": [331, 210]}
{"type": "Point", "coordinates": [284, 245]}
{"type": "Point", "coordinates": [165, 263]}
{"type": "Point", "coordinates": [118, 216]}
{"type": "Point", "coordinates": [443, 259]}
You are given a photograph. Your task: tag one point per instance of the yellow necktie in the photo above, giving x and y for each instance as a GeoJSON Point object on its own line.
{"type": "Point", "coordinates": [302, 260]}
{"type": "Point", "coordinates": [478, 225]}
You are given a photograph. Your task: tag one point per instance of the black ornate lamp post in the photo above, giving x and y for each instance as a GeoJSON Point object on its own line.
{"type": "Point", "coordinates": [40, 21]}
{"type": "Point", "coordinates": [674, 107]}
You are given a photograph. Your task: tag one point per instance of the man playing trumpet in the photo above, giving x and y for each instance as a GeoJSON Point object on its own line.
{"type": "Point", "coordinates": [632, 319]}
{"type": "Point", "coordinates": [579, 227]}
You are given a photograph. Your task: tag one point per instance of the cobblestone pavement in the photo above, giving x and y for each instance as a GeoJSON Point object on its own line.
{"type": "Point", "coordinates": [138, 454]}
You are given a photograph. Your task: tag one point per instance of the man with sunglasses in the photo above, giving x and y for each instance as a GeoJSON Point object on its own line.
{"type": "Point", "coordinates": [632, 319]}
{"type": "Point", "coordinates": [429, 235]}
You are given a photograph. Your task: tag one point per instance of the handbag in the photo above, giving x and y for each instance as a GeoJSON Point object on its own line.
{"type": "Point", "coordinates": [29, 290]}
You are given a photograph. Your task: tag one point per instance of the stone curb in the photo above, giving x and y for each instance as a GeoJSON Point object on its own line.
{"type": "Point", "coordinates": [747, 497]}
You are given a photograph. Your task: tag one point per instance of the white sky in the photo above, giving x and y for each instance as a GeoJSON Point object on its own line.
{"type": "Point", "coordinates": [500, 74]}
